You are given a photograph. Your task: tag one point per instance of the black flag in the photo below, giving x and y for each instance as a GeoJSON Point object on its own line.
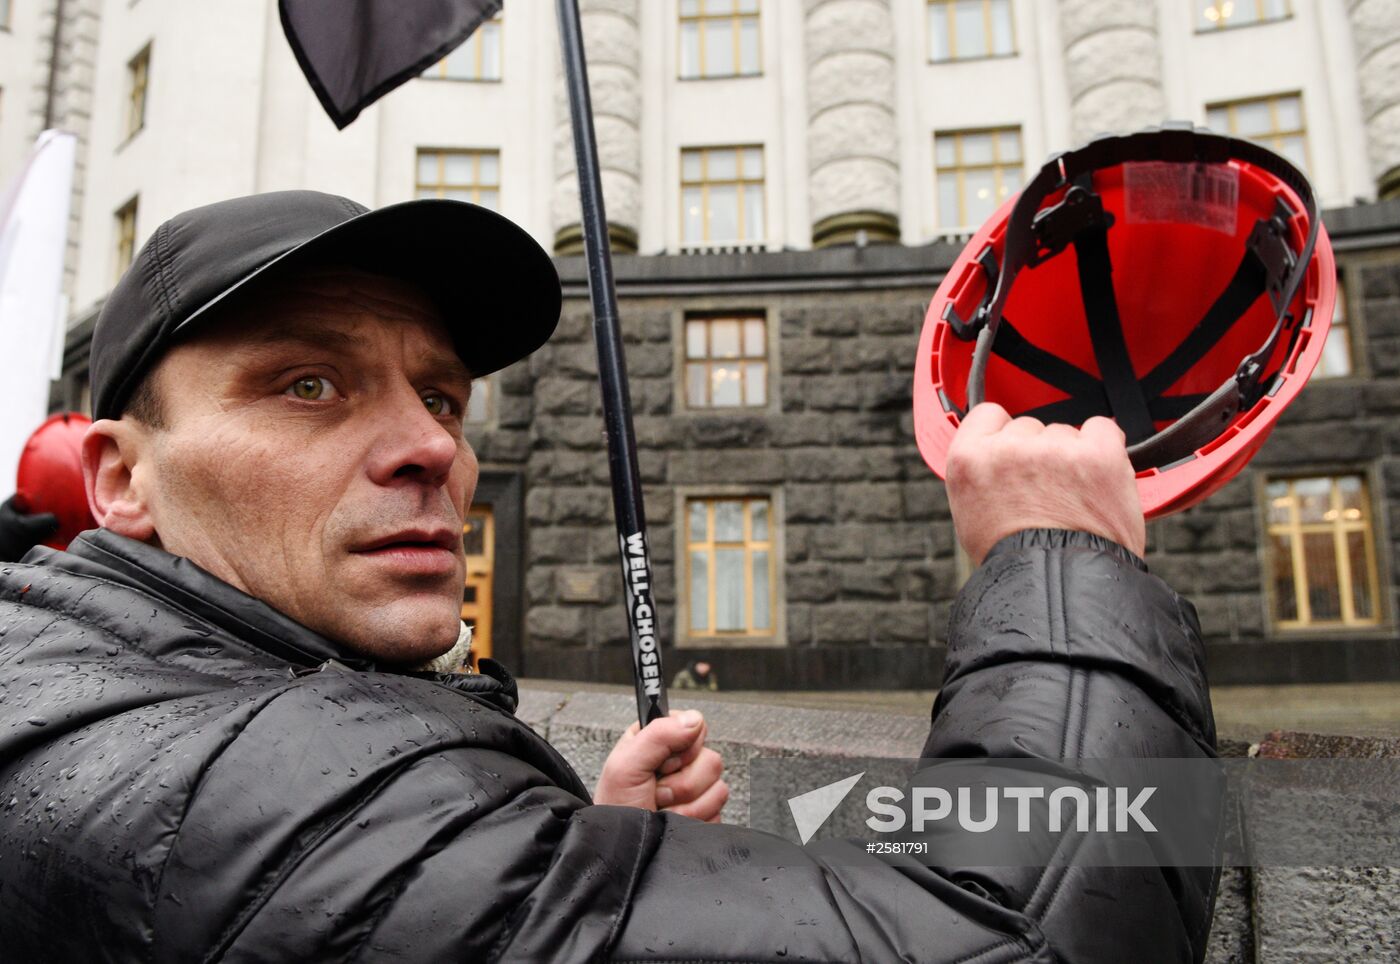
{"type": "Point", "coordinates": [355, 51]}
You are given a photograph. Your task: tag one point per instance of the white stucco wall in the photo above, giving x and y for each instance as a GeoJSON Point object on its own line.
{"type": "Point", "coordinates": [21, 69]}
{"type": "Point", "coordinates": [229, 112]}
{"type": "Point", "coordinates": [1308, 53]}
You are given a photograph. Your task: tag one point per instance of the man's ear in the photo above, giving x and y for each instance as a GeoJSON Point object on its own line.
{"type": "Point", "coordinates": [112, 452]}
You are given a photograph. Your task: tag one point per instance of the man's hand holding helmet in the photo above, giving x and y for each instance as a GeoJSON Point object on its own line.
{"type": "Point", "coordinates": [1007, 474]}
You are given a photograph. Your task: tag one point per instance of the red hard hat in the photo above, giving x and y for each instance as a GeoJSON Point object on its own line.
{"type": "Point", "coordinates": [51, 476]}
{"type": "Point", "coordinates": [1176, 280]}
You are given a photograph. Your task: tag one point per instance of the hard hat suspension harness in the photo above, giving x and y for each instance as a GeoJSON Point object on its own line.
{"type": "Point", "coordinates": [1034, 236]}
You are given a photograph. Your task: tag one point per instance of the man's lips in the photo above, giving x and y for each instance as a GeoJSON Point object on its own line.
{"type": "Point", "coordinates": [439, 538]}
{"type": "Point", "coordinates": [430, 551]}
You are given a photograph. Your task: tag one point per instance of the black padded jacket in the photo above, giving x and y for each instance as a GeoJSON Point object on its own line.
{"type": "Point", "coordinates": [188, 775]}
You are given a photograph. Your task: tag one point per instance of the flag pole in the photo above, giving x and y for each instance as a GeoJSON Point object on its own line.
{"type": "Point", "coordinates": [643, 621]}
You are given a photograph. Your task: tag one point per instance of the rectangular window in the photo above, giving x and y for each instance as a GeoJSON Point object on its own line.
{"type": "Point", "coordinates": [719, 38]}
{"type": "Point", "coordinates": [462, 175]}
{"type": "Point", "coordinates": [478, 58]}
{"type": "Point", "coordinates": [1321, 552]}
{"type": "Point", "coordinates": [4, 14]}
{"type": "Point", "coordinates": [721, 195]}
{"type": "Point", "coordinates": [726, 362]}
{"type": "Point", "coordinates": [1218, 14]}
{"type": "Point", "coordinates": [138, 74]}
{"type": "Point", "coordinates": [1336, 352]}
{"type": "Point", "coordinates": [126, 236]}
{"type": "Point", "coordinates": [730, 563]}
{"type": "Point", "coordinates": [968, 29]}
{"type": "Point", "coordinates": [1275, 121]}
{"type": "Point", "coordinates": [976, 171]}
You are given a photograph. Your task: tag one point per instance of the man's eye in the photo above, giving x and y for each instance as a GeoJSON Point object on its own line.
{"type": "Point", "coordinates": [437, 404]}
{"type": "Point", "coordinates": [311, 388]}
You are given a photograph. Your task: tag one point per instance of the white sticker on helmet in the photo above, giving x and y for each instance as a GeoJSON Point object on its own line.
{"type": "Point", "coordinates": [1160, 192]}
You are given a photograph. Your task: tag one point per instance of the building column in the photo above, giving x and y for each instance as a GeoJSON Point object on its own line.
{"type": "Point", "coordinates": [1113, 66]}
{"type": "Point", "coordinates": [612, 43]}
{"type": "Point", "coordinates": [66, 58]}
{"type": "Point", "coordinates": [1375, 33]}
{"type": "Point", "coordinates": [852, 135]}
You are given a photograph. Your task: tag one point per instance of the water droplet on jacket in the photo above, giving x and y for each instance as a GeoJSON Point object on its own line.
{"type": "Point", "coordinates": [38, 721]}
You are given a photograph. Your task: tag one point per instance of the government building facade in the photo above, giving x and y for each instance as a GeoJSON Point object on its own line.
{"type": "Point", "coordinates": [786, 183]}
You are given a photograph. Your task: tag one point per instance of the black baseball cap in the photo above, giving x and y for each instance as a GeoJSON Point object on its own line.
{"type": "Point", "coordinates": [495, 286]}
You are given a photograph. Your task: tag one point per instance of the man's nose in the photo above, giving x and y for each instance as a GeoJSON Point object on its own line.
{"type": "Point", "coordinates": [412, 443]}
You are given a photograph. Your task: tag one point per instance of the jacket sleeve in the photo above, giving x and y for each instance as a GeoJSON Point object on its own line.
{"type": "Point", "coordinates": [477, 852]}
{"type": "Point", "coordinates": [1057, 642]}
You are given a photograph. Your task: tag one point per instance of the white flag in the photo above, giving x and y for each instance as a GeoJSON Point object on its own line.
{"type": "Point", "coordinates": [33, 238]}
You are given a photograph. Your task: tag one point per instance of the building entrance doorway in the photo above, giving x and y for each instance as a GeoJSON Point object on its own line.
{"type": "Point", "coordinates": [479, 540]}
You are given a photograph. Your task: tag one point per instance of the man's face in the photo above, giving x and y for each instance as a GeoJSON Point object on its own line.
{"type": "Point", "coordinates": [313, 457]}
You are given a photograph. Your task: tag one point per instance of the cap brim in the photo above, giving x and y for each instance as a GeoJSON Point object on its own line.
{"type": "Point", "coordinates": [495, 287]}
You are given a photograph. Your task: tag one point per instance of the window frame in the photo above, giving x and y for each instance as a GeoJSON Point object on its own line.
{"type": "Point", "coordinates": [950, 8]}
{"type": "Point", "coordinates": [709, 360]}
{"type": "Point", "coordinates": [737, 17]}
{"type": "Point", "coordinates": [475, 187]}
{"type": "Point", "coordinates": [1348, 325]}
{"type": "Point", "coordinates": [1274, 134]}
{"type": "Point", "coordinates": [776, 635]}
{"type": "Point", "coordinates": [1260, 21]}
{"type": "Point", "coordinates": [125, 216]}
{"type": "Point", "coordinates": [996, 165]}
{"type": "Point", "coordinates": [138, 83]}
{"type": "Point", "coordinates": [739, 181]}
{"type": "Point", "coordinates": [438, 71]}
{"type": "Point", "coordinates": [1376, 537]}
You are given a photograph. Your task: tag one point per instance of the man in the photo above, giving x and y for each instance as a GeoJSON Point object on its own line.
{"type": "Point", "coordinates": [698, 674]}
{"type": "Point", "coordinates": [215, 742]}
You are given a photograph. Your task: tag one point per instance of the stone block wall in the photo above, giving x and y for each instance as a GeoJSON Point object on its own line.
{"type": "Point", "coordinates": [1213, 553]}
{"type": "Point", "coordinates": [867, 542]}
{"type": "Point", "coordinates": [869, 566]}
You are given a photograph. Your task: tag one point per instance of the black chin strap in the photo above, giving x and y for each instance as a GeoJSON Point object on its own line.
{"type": "Point", "coordinates": [1136, 403]}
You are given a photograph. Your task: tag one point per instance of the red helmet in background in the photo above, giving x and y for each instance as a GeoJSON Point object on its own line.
{"type": "Point", "coordinates": [51, 476]}
{"type": "Point", "coordinates": [1175, 280]}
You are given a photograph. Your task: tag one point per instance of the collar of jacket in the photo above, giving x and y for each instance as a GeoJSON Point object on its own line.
{"type": "Point", "coordinates": [102, 554]}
